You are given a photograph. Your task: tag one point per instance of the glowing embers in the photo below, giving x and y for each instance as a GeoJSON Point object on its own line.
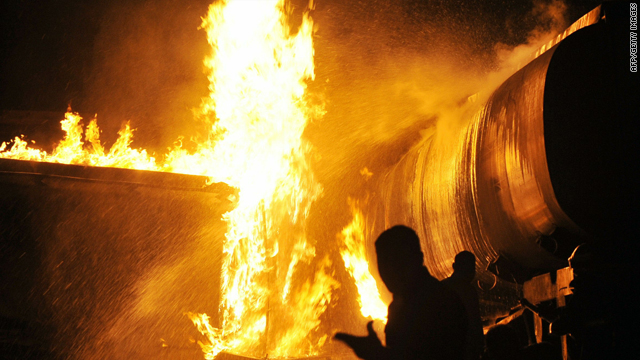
{"type": "Point", "coordinates": [72, 149]}
{"type": "Point", "coordinates": [354, 255]}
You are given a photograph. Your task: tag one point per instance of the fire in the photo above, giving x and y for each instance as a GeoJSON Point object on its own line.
{"type": "Point", "coordinates": [354, 255]}
{"type": "Point", "coordinates": [257, 111]}
{"type": "Point", "coordinates": [72, 150]}
{"type": "Point", "coordinates": [20, 150]}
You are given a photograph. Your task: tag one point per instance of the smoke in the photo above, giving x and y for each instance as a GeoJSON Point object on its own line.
{"type": "Point", "coordinates": [551, 19]}
{"type": "Point", "coordinates": [391, 71]}
{"type": "Point", "coordinates": [548, 18]}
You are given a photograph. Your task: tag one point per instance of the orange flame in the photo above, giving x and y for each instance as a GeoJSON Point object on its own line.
{"type": "Point", "coordinates": [20, 150]}
{"type": "Point", "coordinates": [71, 148]}
{"type": "Point", "coordinates": [258, 112]}
{"type": "Point", "coordinates": [354, 255]}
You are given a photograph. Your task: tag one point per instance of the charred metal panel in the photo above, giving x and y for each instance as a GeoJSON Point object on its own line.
{"type": "Point", "coordinates": [102, 263]}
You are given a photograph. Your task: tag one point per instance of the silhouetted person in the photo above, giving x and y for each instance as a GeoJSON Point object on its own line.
{"type": "Point", "coordinates": [425, 320]}
{"type": "Point", "coordinates": [464, 271]}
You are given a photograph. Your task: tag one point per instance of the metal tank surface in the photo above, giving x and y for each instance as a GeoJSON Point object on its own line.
{"type": "Point", "coordinates": [539, 168]}
{"type": "Point", "coordinates": [103, 263]}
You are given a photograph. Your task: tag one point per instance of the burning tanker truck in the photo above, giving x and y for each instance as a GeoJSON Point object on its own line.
{"type": "Point", "coordinates": [543, 165]}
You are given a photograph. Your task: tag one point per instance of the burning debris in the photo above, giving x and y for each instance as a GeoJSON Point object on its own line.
{"type": "Point", "coordinates": [257, 110]}
{"type": "Point", "coordinates": [71, 149]}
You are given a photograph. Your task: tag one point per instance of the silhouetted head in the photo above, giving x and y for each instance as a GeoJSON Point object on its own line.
{"type": "Point", "coordinates": [464, 266]}
{"type": "Point", "coordinates": [399, 257]}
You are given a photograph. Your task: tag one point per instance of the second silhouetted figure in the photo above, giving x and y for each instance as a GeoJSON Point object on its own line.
{"type": "Point", "coordinates": [464, 271]}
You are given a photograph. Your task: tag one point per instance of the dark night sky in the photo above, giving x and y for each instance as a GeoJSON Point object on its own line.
{"type": "Point", "coordinates": [47, 49]}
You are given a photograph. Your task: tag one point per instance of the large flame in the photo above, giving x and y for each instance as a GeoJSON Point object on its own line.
{"type": "Point", "coordinates": [257, 111]}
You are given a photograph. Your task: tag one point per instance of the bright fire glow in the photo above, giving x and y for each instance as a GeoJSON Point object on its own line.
{"type": "Point", "coordinates": [354, 255]}
{"type": "Point", "coordinates": [257, 111]}
{"type": "Point", "coordinates": [72, 150]}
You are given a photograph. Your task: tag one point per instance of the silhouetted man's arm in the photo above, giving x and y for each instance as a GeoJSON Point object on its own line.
{"type": "Point", "coordinates": [366, 347]}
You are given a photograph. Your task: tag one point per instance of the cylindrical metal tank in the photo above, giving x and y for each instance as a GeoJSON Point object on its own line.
{"type": "Point", "coordinates": [544, 165]}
